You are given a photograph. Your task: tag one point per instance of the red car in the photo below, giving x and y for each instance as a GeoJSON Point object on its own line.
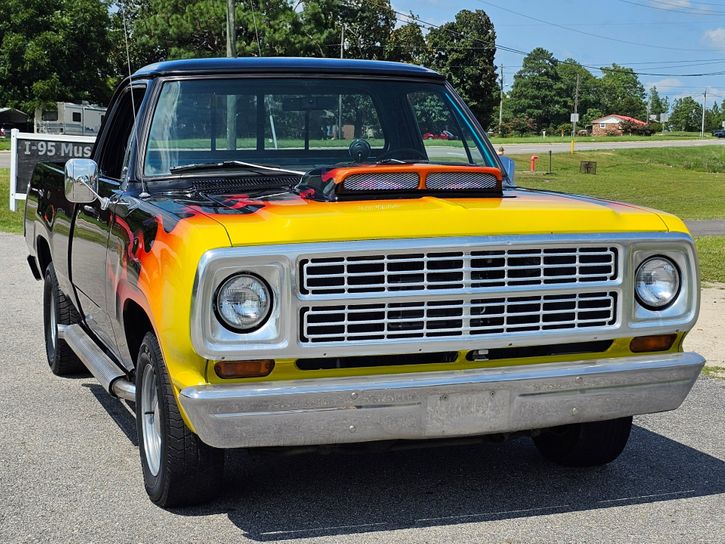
{"type": "Point", "coordinates": [442, 135]}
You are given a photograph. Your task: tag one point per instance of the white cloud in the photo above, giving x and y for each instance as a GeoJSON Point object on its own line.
{"type": "Point", "coordinates": [715, 38]}
{"type": "Point", "coordinates": [665, 85]}
{"type": "Point", "coordinates": [671, 4]}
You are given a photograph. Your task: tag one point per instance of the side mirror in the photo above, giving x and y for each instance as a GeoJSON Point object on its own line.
{"type": "Point", "coordinates": [509, 166]}
{"type": "Point", "coordinates": [81, 180]}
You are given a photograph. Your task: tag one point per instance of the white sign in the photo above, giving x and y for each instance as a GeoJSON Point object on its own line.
{"type": "Point", "coordinates": [664, 117]}
{"type": "Point", "coordinates": [28, 149]}
{"type": "Point", "coordinates": [574, 117]}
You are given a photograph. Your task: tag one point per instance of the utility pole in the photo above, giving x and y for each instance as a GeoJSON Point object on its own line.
{"type": "Point", "coordinates": [704, 107]}
{"type": "Point", "coordinates": [231, 99]}
{"type": "Point", "coordinates": [500, 106]}
{"type": "Point", "coordinates": [576, 106]}
{"type": "Point", "coordinates": [339, 96]}
{"type": "Point", "coordinates": [575, 115]}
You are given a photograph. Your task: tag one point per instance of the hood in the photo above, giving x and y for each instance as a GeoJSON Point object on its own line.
{"type": "Point", "coordinates": [287, 218]}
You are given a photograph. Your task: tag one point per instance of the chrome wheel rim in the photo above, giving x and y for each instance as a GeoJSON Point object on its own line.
{"type": "Point", "coordinates": [150, 423]}
{"type": "Point", "coordinates": [53, 320]}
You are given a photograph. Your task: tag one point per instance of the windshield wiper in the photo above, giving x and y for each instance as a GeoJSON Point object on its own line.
{"type": "Point", "coordinates": [402, 161]}
{"type": "Point", "coordinates": [230, 165]}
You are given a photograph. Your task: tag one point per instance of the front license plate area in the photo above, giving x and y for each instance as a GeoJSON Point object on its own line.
{"type": "Point", "coordinates": [464, 413]}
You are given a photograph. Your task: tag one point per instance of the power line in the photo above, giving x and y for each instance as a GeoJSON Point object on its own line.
{"type": "Point", "coordinates": [585, 33]}
{"type": "Point", "coordinates": [676, 8]}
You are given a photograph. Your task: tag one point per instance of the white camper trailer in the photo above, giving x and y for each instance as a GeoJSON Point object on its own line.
{"type": "Point", "coordinates": [67, 118]}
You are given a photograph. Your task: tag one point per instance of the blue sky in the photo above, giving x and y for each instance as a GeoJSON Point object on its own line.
{"type": "Point", "coordinates": [668, 37]}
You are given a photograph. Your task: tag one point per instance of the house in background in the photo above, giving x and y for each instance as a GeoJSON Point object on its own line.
{"type": "Point", "coordinates": [11, 118]}
{"type": "Point", "coordinates": [610, 125]}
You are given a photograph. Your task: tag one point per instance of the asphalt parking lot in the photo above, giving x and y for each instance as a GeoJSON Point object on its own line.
{"type": "Point", "coordinates": [70, 472]}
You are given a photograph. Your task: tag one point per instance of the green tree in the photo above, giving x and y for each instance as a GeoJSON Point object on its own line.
{"type": "Point", "coordinates": [169, 29]}
{"type": "Point", "coordinates": [538, 93]}
{"type": "Point", "coordinates": [716, 117]}
{"type": "Point", "coordinates": [406, 44]}
{"type": "Point", "coordinates": [463, 50]}
{"type": "Point", "coordinates": [686, 114]}
{"type": "Point", "coordinates": [568, 71]}
{"type": "Point", "coordinates": [657, 103]}
{"type": "Point", "coordinates": [53, 50]}
{"type": "Point", "coordinates": [621, 92]}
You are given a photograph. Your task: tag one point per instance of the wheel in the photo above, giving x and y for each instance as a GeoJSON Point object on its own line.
{"type": "Point", "coordinates": [58, 310]}
{"type": "Point", "coordinates": [585, 444]}
{"type": "Point", "coordinates": [178, 468]}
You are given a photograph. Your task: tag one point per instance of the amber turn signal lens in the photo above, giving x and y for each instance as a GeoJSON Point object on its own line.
{"type": "Point", "coordinates": [659, 342]}
{"type": "Point", "coordinates": [243, 369]}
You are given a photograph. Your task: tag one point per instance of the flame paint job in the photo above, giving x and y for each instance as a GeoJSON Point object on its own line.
{"type": "Point", "coordinates": [155, 245]}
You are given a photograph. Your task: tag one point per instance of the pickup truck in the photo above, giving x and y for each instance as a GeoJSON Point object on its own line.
{"type": "Point", "coordinates": [267, 253]}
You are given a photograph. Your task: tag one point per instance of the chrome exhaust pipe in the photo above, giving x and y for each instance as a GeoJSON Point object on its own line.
{"type": "Point", "coordinates": [112, 378]}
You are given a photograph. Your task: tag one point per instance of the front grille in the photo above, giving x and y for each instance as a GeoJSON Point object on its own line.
{"type": "Point", "coordinates": [456, 318]}
{"type": "Point", "coordinates": [429, 271]}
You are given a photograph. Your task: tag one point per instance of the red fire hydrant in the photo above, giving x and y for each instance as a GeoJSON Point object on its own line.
{"type": "Point", "coordinates": [534, 158]}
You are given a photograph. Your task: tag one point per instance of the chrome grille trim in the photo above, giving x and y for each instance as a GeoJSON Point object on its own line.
{"type": "Point", "coordinates": [468, 269]}
{"type": "Point", "coordinates": [279, 265]}
{"type": "Point", "coordinates": [457, 318]}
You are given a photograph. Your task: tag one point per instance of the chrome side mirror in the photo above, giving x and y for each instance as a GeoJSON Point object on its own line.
{"type": "Point", "coordinates": [81, 180]}
{"type": "Point", "coordinates": [509, 166]}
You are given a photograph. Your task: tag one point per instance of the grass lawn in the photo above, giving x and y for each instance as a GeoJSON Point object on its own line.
{"type": "Point", "coordinates": [711, 252]}
{"type": "Point", "coordinates": [4, 144]}
{"type": "Point", "coordinates": [9, 221]}
{"type": "Point", "coordinates": [689, 182]}
{"type": "Point", "coordinates": [558, 138]}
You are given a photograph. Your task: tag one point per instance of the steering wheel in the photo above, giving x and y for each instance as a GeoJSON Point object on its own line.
{"type": "Point", "coordinates": [403, 153]}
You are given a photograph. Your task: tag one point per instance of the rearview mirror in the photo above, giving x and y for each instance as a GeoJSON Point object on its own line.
{"type": "Point", "coordinates": [509, 166]}
{"type": "Point", "coordinates": [81, 180]}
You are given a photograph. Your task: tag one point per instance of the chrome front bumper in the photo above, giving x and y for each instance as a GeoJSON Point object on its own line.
{"type": "Point", "coordinates": [437, 404]}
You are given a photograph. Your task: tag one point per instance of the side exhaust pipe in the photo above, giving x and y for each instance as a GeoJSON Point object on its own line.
{"type": "Point", "coordinates": [100, 365]}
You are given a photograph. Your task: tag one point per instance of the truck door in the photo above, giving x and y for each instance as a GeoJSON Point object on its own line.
{"type": "Point", "coordinates": [89, 268]}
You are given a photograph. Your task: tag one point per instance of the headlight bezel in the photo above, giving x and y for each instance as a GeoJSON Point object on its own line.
{"type": "Point", "coordinates": [265, 318]}
{"type": "Point", "coordinates": [677, 291]}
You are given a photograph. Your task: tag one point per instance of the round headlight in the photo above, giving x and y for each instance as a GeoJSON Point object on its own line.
{"type": "Point", "coordinates": [243, 302]}
{"type": "Point", "coordinates": [657, 283]}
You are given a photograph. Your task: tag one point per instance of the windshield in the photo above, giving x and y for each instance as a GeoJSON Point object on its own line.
{"type": "Point", "coordinates": [301, 124]}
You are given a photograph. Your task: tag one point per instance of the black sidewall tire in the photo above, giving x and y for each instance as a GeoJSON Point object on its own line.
{"type": "Point", "coordinates": [61, 358]}
{"type": "Point", "coordinates": [585, 444]}
{"type": "Point", "coordinates": [51, 351]}
{"type": "Point", "coordinates": [153, 484]}
{"type": "Point", "coordinates": [190, 472]}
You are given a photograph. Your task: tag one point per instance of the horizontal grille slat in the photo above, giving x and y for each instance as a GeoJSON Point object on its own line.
{"type": "Point", "coordinates": [428, 271]}
{"type": "Point", "coordinates": [457, 318]}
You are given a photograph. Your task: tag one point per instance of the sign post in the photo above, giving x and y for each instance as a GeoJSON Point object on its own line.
{"type": "Point", "coordinates": [574, 118]}
{"type": "Point", "coordinates": [28, 149]}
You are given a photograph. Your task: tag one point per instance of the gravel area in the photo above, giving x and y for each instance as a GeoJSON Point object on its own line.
{"type": "Point", "coordinates": [71, 472]}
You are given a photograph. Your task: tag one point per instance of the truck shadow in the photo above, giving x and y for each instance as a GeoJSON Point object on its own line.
{"type": "Point", "coordinates": [272, 497]}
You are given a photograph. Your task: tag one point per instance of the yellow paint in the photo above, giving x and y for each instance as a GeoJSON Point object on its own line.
{"type": "Point", "coordinates": [300, 221]}
{"type": "Point", "coordinates": [285, 369]}
{"type": "Point", "coordinates": [168, 270]}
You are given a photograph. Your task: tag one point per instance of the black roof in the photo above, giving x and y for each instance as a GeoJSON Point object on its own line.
{"type": "Point", "coordinates": [289, 65]}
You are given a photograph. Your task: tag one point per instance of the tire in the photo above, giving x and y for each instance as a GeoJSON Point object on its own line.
{"type": "Point", "coordinates": [58, 310]}
{"type": "Point", "coordinates": [178, 468]}
{"type": "Point", "coordinates": [585, 444]}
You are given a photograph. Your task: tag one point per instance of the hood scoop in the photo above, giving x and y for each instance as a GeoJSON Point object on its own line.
{"type": "Point", "coordinates": [244, 184]}
{"type": "Point", "coordinates": [373, 182]}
